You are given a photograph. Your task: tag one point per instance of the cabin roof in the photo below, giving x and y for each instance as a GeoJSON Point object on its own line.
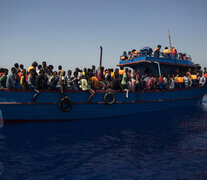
{"type": "Point", "coordinates": [166, 61]}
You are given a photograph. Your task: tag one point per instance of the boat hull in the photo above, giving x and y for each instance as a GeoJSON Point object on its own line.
{"type": "Point", "coordinates": [16, 107]}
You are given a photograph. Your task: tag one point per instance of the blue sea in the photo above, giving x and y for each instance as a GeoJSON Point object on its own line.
{"type": "Point", "coordinates": [160, 145]}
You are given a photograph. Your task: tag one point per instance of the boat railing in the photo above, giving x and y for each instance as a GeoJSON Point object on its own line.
{"type": "Point", "coordinates": [178, 56]}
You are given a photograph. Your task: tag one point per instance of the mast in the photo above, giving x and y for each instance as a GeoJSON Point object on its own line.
{"type": "Point", "coordinates": [101, 50]}
{"type": "Point", "coordinates": [169, 39]}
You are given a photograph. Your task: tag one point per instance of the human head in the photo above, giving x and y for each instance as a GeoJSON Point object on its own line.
{"type": "Point", "coordinates": [44, 64]}
{"type": "Point", "coordinates": [121, 67]}
{"type": "Point", "coordinates": [39, 66]}
{"type": "Point", "coordinates": [69, 72]}
{"type": "Point", "coordinates": [166, 47]}
{"type": "Point", "coordinates": [34, 64]}
{"type": "Point", "coordinates": [21, 66]}
{"type": "Point", "coordinates": [93, 67]}
{"type": "Point", "coordinates": [59, 67]}
{"type": "Point", "coordinates": [159, 46]}
{"type": "Point", "coordinates": [16, 65]}
{"type": "Point", "coordinates": [13, 70]}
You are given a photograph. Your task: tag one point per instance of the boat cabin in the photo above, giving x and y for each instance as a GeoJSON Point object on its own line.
{"type": "Point", "coordinates": [147, 63]}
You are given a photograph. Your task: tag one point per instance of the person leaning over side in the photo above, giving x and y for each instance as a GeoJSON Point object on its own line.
{"type": "Point", "coordinates": [84, 85]}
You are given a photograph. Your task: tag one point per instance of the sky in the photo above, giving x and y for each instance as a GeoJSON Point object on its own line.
{"type": "Point", "coordinates": [70, 32]}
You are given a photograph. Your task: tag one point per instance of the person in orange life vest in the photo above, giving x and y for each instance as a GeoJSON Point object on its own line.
{"type": "Point", "coordinates": [157, 51]}
{"type": "Point", "coordinates": [180, 81]}
{"type": "Point", "coordinates": [173, 53]}
{"type": "Point", "coordinates": [33, 66]}
{"type": "Point", "coordinates": [136, 53]}
{"type": "Point", "coordinates": [121, 71]}
{"type": "Point", "coordinates": [23, 83]}
{"type": "Point", "coordinates": [194, 79]}
{"type": "Point", "coordinates": [166, 52]}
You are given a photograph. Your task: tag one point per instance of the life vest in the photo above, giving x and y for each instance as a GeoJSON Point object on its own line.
{"type": "Point", "coordinates": [123, 58]}
{"type": "Point", "coordinates": [180, 80]}
{"type": "Point", "coordinates": [173, 51]}
{"type": "Point", "coordinates": [205, 75]}
{"type": "Point", "coordinates": [193, 76]}
{"type": "Point", "coordinates": [136, 53]}
{"type": "Point", "coordinates": [1, 74]}
{"type": "Point", "coordinates": [29, 68]}
{"type": "Point", "coordinates": [19, 75]}
{"type": "Point", "coordinates": [166, 51]}
{"type": "Point", "coordinates": [121, 72]}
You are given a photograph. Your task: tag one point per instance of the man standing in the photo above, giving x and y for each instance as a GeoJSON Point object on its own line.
{"type": "Point", "coordinates": [11, 80]}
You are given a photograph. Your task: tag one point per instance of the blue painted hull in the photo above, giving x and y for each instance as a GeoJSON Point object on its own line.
{"type": "Point", "coordinates": [15, 105]}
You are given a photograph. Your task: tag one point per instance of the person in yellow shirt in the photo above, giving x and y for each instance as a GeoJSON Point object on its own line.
{"type": "Point", "coordinates": [23, 79]}
{"type": "Point", "coordinates": [166, 52]}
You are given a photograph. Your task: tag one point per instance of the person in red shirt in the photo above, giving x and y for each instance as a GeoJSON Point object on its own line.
{"type": "Point", "coordinates": [160, 80]}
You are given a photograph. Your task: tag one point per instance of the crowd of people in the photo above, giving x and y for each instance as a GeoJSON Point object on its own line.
{"type": "Point", "coordinates": [43, 76]}
{"type": "Point", "coordinates": [147, 51]}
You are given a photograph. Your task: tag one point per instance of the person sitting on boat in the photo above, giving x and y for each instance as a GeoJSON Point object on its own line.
{"type": "Point", "coordinates": [33, 66]}
{"type": "Point", "coordinates": [130, 55]}
{"type": "Point", "coordinates": [16, 65]}
{"type": "Point", "coordinates": [157, 51]}
{"type": "Point", "coordinates": [132, 83]}
{"type": "Point", "coordinates": [68, 80]}
{"type": "Point", "coordinates": [40, 82]}
{"type": "Point", "coordinates": [116, 82]}
{"type": "Point", "coordinates": [172, 82]}
{"type": "Point", "coordinates": [124, 81]}
{"type": "Point", "coordinates": [11, 79]}
{"type": "Point", "coordinates": [136, 53]}
{"type": "Point", "coordinates": [18, 77]}
{"type": "Point", "coordinates": [101, 78]}
{"type": "Point", "coordinates": [94, 82]}
{"type": "Point", "coordinates": [194, 78]}
{"type": "Point", "coordinates": [180, 81]}
{"type": "Point", "coordinates": [84, 85]}
{"type": "Point", "coordinates": [160, 82]}
{"type": "Point", "coordinates": [186, 80]}
{"type": "Point", "coordinates": [166, 52]}
{"type": "Point", "coordinates": [165, 82]}
{"type": "Point", "coordinates": [21, 66]}
{"type": "Point", "coordinates": [53, 80]}
{"type": "Point", "coordinates": [39, 67]}
{"type": "Point", "coordinates": [124, 56]}
{"type": "Point", "coordinates": [121, 71]}
{"type": "Point", "coordinates": [94, 70]}
{"type": "Point", "coordinates": [23, 82]}
{"type": "Point", "coordinates": [3, 78]}
{"type": "Point", "coordinates": [173, 53]}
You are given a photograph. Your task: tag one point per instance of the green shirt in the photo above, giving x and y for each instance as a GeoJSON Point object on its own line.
{"type": "Point", "coordinates": [124, 82]}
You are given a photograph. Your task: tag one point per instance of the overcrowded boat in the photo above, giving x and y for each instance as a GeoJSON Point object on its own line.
{"type": "Point", "coordinates": [146, 81]}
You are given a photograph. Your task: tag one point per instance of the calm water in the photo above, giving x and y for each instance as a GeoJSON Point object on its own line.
{"type": "Point", "coordinates": [162, 145]}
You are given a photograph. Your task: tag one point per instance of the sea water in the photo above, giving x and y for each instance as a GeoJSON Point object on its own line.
{"type": "Point", "coordinates": [160, 145]}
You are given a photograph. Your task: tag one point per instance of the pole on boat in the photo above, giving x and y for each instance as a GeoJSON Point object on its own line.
{"type": "Point", "coordinates": [169, 39]}
{"type": "Point", "coordinates": [101, 50]}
